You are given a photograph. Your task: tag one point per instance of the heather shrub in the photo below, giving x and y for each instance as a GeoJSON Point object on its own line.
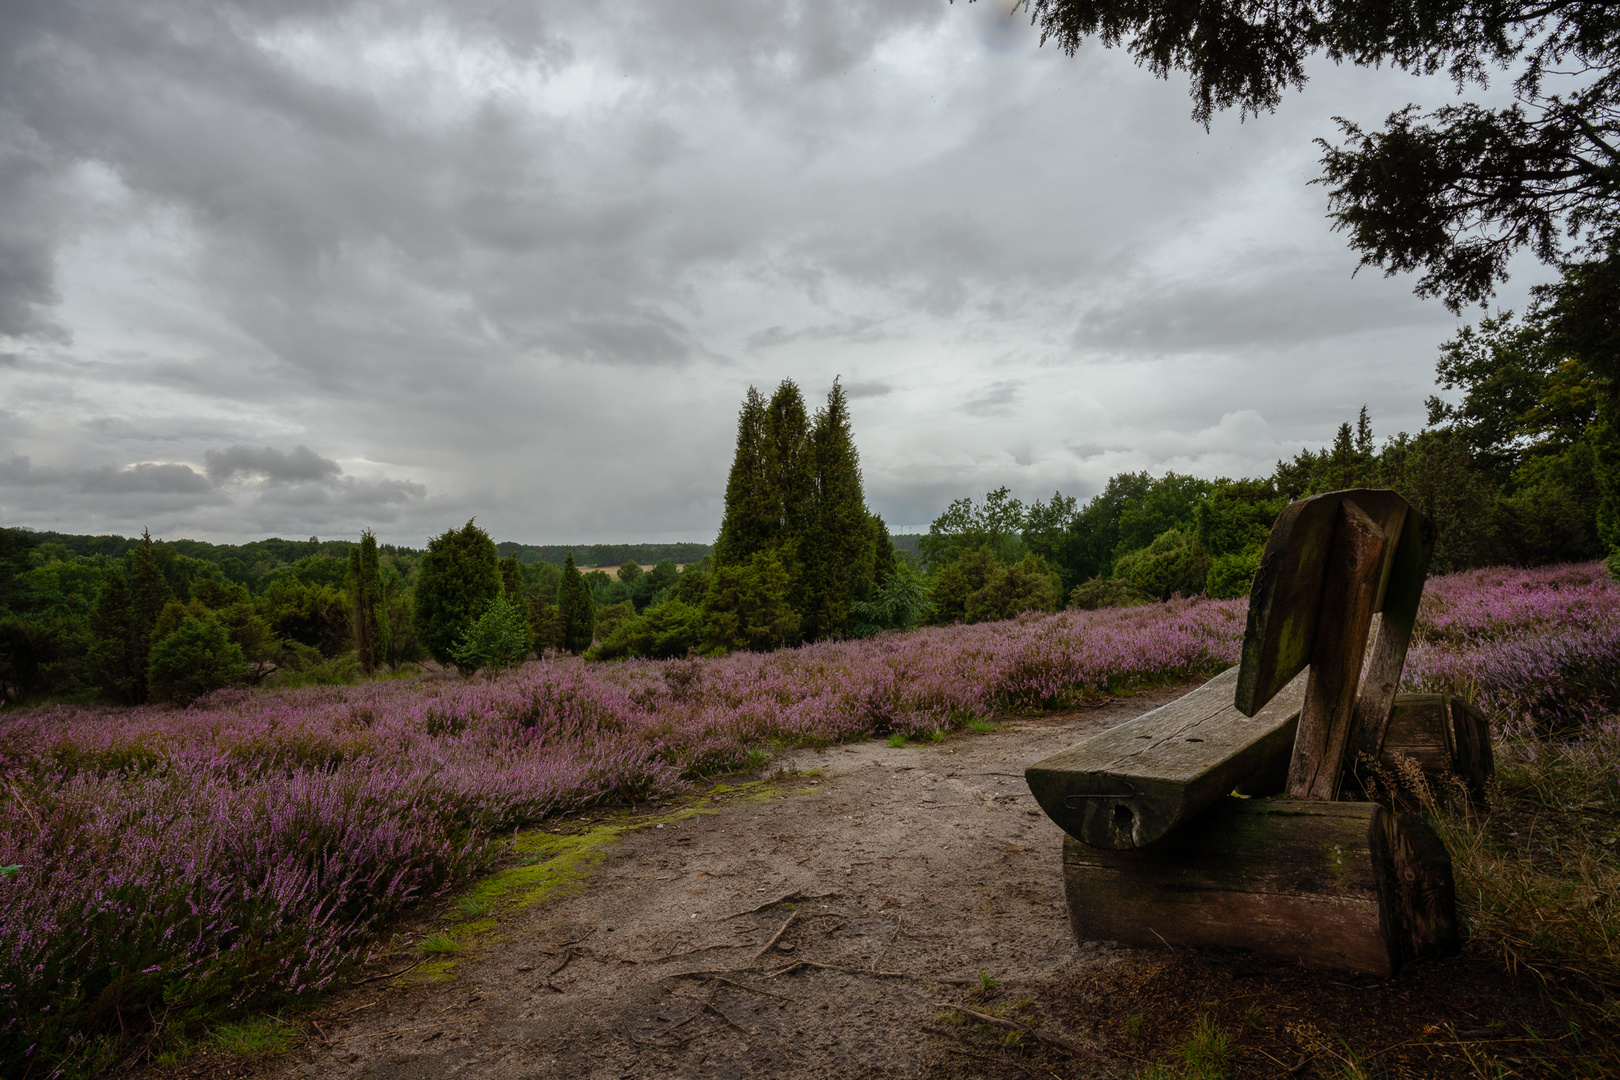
{"type": "Point", "coordinates": [176, 863]}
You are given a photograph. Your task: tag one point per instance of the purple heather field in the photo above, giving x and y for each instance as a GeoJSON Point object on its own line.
{"type": "Point", "coordinates": [249, 847]}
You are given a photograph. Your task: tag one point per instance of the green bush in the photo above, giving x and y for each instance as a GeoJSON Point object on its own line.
{"type": "Point", "coordinates": [1171, 564]}
{"type": "Point", "coordinates": [748, 606]}
{"type": "Point", "coordinates": [1229, 575]}
{"type": "Point", "coordinates": [1101, 592]}
{"type": "Point", "coordinates": [974, 588]}
{"type": "Point", "coordinates": [497, 639]}
{"type": "Point", "coordinates": [1028, 585]}
{"type": "Point", "coordinates": [899, 603]}
{"type": "Point", "coordinates": [663, 632]}
{"type": "Point", "coordinates": [612, 617]}
{"type": "Point", "coordinates": [196, 658]}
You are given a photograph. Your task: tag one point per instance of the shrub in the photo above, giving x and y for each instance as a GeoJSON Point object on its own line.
{"type": "Point", "coordinates": [1171, 564]}
{"type": "Point", "coordinates": [613, 616]}
{"type": "Point", "coordinates": [664, 631]}
{"type": "Point", "coordinates": [196, 658]}
{"type": "Point", "coordinates": [458, 577]}
{"type": "Point", "coordinates": [497, 639]}
{"type": "Point", "coordinates": [1101, 592]}
{"type": "Point", "coordinates": [1230, 575]}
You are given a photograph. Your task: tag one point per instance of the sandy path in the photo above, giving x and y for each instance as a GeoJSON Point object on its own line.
{"type": "Point", "coordinates": [931, 863]}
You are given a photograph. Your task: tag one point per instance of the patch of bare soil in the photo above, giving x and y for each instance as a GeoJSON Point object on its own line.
{"type": "Point", "coordinates": [900, 913]}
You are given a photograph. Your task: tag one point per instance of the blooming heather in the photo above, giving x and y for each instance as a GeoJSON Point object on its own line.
{"type": "Point", "coordinates": [248, 847]}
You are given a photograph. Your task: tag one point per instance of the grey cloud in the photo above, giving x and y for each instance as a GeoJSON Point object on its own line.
{"type": "Point", "coordinates": [301, 463]}
{"type": "Point", "coordinates": [530, 253]}
{"type": "Point", "coordinates": [868, 388]}
{"type": "Point", "coordinates": [997, 399]}
{"type": "Point", "coordinates": [157, 479]}
{"type": "Point", "coordinates": [863, 330]}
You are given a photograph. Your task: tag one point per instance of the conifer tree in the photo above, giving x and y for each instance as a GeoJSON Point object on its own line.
{"type": "Point", "coordinates": [512, 579]}
{"type": "Point", "coordinates": [838, 555]}
{"type": "Point", "coordinates": [787, 432]}
{"type": "Point", "coordinates": [577, 609]}
{"type": "Point", "coordinates": [752, 513]}
{"type": "Point", "coordinates": [456, 580]}
{"type": "Point", "coordinates": [366, 603]}
{"type": "Point", "coordinates": [125, 615]}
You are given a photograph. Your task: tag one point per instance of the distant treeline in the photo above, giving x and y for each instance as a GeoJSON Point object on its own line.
{"type": "Point", "coordinates": [604, 554]}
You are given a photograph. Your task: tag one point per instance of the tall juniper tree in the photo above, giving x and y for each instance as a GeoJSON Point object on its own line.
{"type": "Point", "coordinates": [576, 608]}
{"type": "Point", "coordinates": [366, 612]}
{"type": "Point", "coordinates": [837, 554]}
{"type": "Point", "coordinates": [751, 519]}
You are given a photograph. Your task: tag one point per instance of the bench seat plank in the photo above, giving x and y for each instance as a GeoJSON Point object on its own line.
{"type": "Point", "coordinates": [1132, 784]}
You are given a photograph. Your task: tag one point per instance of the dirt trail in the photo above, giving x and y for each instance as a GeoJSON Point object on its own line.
{"type": "Point", "coordinates": [914, 869]}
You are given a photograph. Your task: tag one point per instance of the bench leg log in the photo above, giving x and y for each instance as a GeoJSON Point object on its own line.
{"type": "Point", "coordinates": [1337, 885]}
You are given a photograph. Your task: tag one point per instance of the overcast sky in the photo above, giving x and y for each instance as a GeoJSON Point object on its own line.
{"type": "Point", "coordinates": [286, 267]}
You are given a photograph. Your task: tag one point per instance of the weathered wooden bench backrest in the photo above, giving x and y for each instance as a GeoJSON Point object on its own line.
{"type": "Point", "coordinates": [1333, 561]}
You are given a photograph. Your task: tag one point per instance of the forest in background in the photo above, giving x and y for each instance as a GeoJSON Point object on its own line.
{"type": "Point", "coordinates": [1516, 470]}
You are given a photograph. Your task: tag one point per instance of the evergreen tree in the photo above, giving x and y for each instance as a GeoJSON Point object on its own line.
{"type": "Point", "coordinates": [366, 603]}
{"type": "Point", "coordinates": [512, 579]}
{"type": "Point", "coordinates": [750, 524]}
{"type": "Point", "coordinates": [787, 433]}
{"type": "Point", "coordinates": [577, 609]}
{"type": "Point", "coordinates": [837, 556]}
{"type": "Point", "coordinates": [457, 579]}
{"type": "Point", "coordinates": [121, 625]}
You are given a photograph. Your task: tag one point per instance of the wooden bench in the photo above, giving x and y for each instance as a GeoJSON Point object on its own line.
{"type": "Point", "coordinates": [1160, 851]}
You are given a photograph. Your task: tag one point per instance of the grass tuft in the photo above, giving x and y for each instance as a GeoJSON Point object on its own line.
{"type": "Point", "coordinates": [254, 1039]}
{"type": "Point", "coordinates": [897, 740]}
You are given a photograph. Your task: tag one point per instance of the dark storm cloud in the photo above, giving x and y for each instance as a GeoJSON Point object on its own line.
{"type": "Point", "coordinates": [158, 479]}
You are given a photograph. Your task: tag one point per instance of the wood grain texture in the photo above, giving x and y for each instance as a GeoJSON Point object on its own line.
{"type": "Point", "coordinates": [1283, 599]}
{"type": "Point", "coordinates": [1341, 885]}
{"type": "Point", "coordinates": [1344, 618]}
{"type": "Point", "coordinates": [1133, 783]}
{"type": "Point", "coordinates": [1408, 566]}
{"type": "Point", "coordinates": [1417, 892]}
{"type": "Point", "coordinates": [1289, 880]}
{"type": "Point", "coordinates": [1278, 641]}
{"type": "Point", "coordinates": [1445, 737]}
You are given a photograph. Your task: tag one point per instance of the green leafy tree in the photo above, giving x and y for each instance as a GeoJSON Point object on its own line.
{"type": "Point", "coordinates": [577, 610]}
{"type": "Point", "coordinates": [195, 658]}
{"type": "Point", "coordinates": [965, 526]}
{"type": "Point", "coordinates": [366, 604]}
{"type": "Point", "coordinates": [457, 579]}
{"type": "Point", "coordinates": [899, 602]}
{"type": "Point", "coordinates": [496, 640]}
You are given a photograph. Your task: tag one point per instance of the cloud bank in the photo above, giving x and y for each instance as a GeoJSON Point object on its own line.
{"type": "Point", "coordinates": [307, 268]}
